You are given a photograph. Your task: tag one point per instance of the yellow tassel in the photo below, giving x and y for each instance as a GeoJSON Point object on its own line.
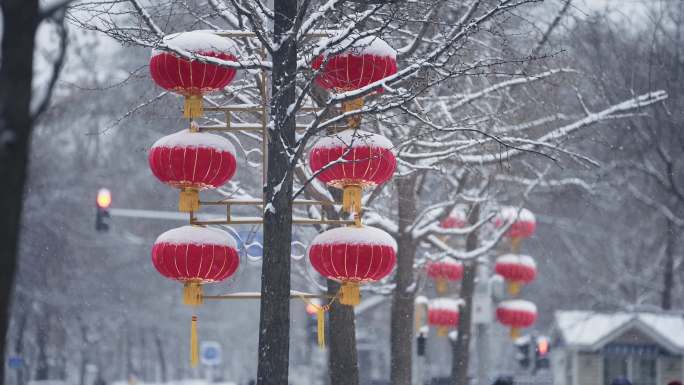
{"type": "Point", "coordinates": [442, 331]}
{"type": "Point", "coordinates": [514, 288]}
{"type": "Point", "coordinates": [193, 108]}
{"type": "Point", "coordinates": [192, 293]}
{"type": "Point", "coordinates": [320, 318]}
{"type": "Point", "coordinates": [442, 286]}
{"type": "Point", "coordinates": [351, 199]}
{"type": "Point", "coordinates": [194, 345]}
{"type": "Point", "coordinates": [351, 105]}
{"type": "Point", "coordinates": [419, 318]}
{"type": "Point", "coordinates": [351, 295]}
{"type": "Point", "coordinates": [188, 201]}
{"type": "Point", "coordinates": [515, 333]}
{"type": "Point", "coordinates": [515, 244]}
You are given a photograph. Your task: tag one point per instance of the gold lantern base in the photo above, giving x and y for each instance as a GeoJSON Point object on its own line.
{"type": "Point", "coordinates": [188, 201]}
{"type": "Point", "coordinates": [350, 294]}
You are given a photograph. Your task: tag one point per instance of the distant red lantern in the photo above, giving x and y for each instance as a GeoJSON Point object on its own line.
{"type": "Point", "coordinates": [457, 219]}
{"type": "Point", "coordinates": [443, 271]}
{"type": "Point", "coordinates": [353, 255]}
{"type": "Point", "coordinates": [352, 160]}
{"type": "Point", "coordinates": [523, 224]}
{"type": "Point", "coordinates": [194, 256]}
{"type": "Point", "coordinates": [192, 161]}
{"type": "Point", "coordinates": [516, 314]}
{"type": "Point", "coordinates": [443, 313]}
{"type": "Point", "coordinates": [195, 77]}
{"type": "Point", "coordinates": [516, 270]}
{"type": "Point", "coordinates": [366, 61]}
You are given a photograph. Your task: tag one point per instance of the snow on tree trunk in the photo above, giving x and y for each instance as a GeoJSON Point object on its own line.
{"type": "Point", "coordinates": [274, 321]}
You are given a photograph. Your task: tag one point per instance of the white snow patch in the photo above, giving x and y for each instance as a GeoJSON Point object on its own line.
{"type": "Point", "coordinates": [516, 259]}
{"type": "Point", "coordinates": [519, 305]}
{"type": "Point", "coordinates": [353, 139]}
{"type": "Point", "coordinates": [185, 138]}
{"type": "Point", "coordinates": [197, 235]}
{"type": "Point", "coordinates": [512, 214]}
{"type": "Point", "coordinates": [448, 261]}
{"type": "Point", "coordinates": [449, 304]}
{"type": "Point", "coordinates": [355, 235]}
{"type": "Point", "coordinates": [369, 45]}
{"type": "Point", "coordinates": [198, 42]}
{"type": "Point", "coordinates": [421, 300]}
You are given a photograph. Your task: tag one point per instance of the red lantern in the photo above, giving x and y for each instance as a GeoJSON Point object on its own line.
{"type": "Point", "coordinates": [195, 256]}
{"type": "Point", "coordinates": [443, 313]}
{"type": "Point", "coordinates": [352, 256]}
{"type": "Point", "coordinates": [351, 160]}
{"type": "Point", "coordinates": [193, 78]}
{"type": "Point", "coordinates": [444, 270]}
{"type": "Point", "coordinates": [517, 270]}
{"type": "Point", "coordinates": [516, 314]}
{"type": "Point", "coordinates": [192, 161]}
{"type": "Point", "coordinates": [523, 224]}
{"type": "Point", "coordinates": [366, 61]}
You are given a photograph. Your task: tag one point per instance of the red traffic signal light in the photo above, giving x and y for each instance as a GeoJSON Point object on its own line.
{"type": "Point", "coordinates": [542, 345]}
{"type": "Point", "coordinates": [104, 198]}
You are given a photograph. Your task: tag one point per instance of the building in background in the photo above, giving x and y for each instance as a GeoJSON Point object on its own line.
{"type": "Point", "coordinates": [590, 348]}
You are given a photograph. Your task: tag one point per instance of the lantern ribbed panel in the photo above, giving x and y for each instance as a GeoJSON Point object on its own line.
{"type": "Point", "coordinates": [452, 222]}
{"type": "Point", "coordinates": [185, 254]}
{"type": "Point", "coordinates": [353, 254]}
{"type": "Point", "coordinates": [516, 272]}
{"type": "Point", "coordinates": [510, 314]}
{"type": "Point", "coordinates": [450, 270]}
{"type": "Point", "coordinates": [351, 72]}
{"type": "Point", "coordinates": [366, 159]}
{"type": "Point", "coordinates": [524, 223]}
{"type": "Point", "coordinates": [443, 318]}
{"type": "Point", "coordinates": [197, 165]}
{"type": "Point", "coordinates": [191, 77]}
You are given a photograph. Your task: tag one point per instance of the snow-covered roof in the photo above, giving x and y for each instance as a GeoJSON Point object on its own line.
{"type": "Point", "coordinates": [353, 139]}
{"type": "Point", "coordinates": [198, 42]}
{"type": "Point", "coordinates": [592, 330]}
{"type": "Point", "coordinates": [517, 259]}
{"type": "Point", "coordinates": [185, 138]}
{"type": "Point", "coordinates": [197, 235]}
{"type": "Point", "coordinates": [355, 235]}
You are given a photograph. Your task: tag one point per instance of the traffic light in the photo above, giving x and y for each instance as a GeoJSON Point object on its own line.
{"type": "Point", "coordinates": [103, 201]}
{"type": "Point", "coordinates": [522, 355]}
{"type": "Point", "coordinates": [541, 353]}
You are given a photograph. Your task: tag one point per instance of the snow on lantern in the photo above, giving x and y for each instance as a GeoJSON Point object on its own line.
{"type": "Point", "coordinates": [457, 219]}
{"type": "Point", "coordinates": [192, 161]}
{"type": "Point", "coordinates": [523, 224]}
{"type": "Point", "coordinates": [366, 61]}
{"type": "Point", "coordinates": [194, 256]}
{"type": "Point", "coordinates": [516, 314]}
{"type": "Point", "coordinates": [443, 314]}
{"type": "Point", "coordinates": [516, 270]}
{"type": "Point", "coordinates": [352, 160]}
{"type": "Point", "coordinates": [443, 271]}
{"type": "Point", "coordinates": [195, 77]}
{"type": "Point", "coordinates": [353, 255]}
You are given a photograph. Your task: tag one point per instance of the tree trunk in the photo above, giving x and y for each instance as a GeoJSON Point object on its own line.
{"type": "Point", "coordinates": [404, 296]}
{"type": "Point", "coordinates": [160, 357]}
{"type": "Point", "coordinates": [668, 275]}
{"type": "Point", "coordinates": [20, 18]}
{"type": "Point", "coordinates": [461, 349]}
{"type": "Point", "coordinates": [342, 354]}
{"type": "Point", "coordinates": [274, 322]}
{"type": "Point", "coordinates": [19, 345]}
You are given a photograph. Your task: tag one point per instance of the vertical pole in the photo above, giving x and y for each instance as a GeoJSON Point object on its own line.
{"type": "Point", "coordinates": [482, 346]}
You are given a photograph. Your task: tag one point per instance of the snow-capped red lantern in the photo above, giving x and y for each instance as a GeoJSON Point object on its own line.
{"type": "Point", "coordinates": [517, 270]}
{"type": "Point", "coordinates": [195, 256]}
{"type": "Point", "coordinates": [353, 255]}
{"type": "Point", "coordinates": [367, 60]}
{"type": "Point", "coordinates": [352, 160]}
{"type": "Point", "coordinates": [192, 161]}
{"type": "Point", "coordinates": [195, 77]}
{"type": "Point", "coordinates": [457, 219]}
{"type": "Point", "coordinates": [443, 314]}
{"type": "Point", "coordinates": [443, 271]}
{"type": "Point", "coordinates": [516, 314]}
{"type": "Point", "coordinates": [523, 224]}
